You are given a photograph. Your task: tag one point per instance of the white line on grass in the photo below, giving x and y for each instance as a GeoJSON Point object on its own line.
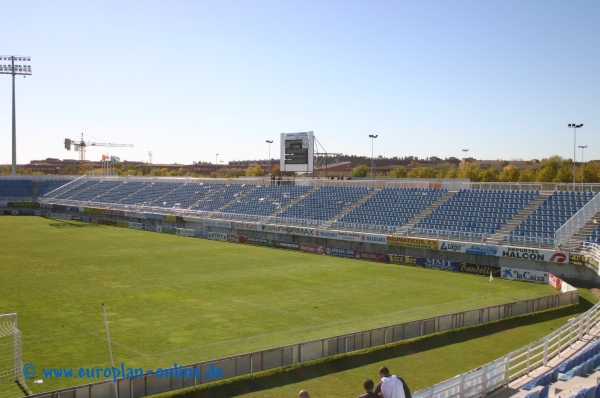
{"type": "Point", "coordinates": [292, 330]}
{"type": "Point", "coordinates": [119, 344]}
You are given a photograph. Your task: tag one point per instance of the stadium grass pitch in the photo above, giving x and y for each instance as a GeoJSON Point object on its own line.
{"type": "Point", "coordinates": [173, 299]}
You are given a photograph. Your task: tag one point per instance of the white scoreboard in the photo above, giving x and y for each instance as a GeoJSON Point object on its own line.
{"type": "Point", "coordinates": [297, 151]}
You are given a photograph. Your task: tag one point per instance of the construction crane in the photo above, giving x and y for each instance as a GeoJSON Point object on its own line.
{"type": "Point", "coordinates": [81, 145]}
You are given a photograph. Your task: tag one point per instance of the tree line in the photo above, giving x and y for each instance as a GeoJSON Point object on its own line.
{"type": "Point", "coordinates": [553, 169]}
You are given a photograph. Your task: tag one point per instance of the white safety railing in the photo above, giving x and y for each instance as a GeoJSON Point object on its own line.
{"type": "Point", "coordinates": [68, 186]}
{"type": "Point", "coordinates": [499, 373]}
{"type": "Point", "coordinates": [592, 250]}
{"type": "Point", "coordinates": [574, 224]}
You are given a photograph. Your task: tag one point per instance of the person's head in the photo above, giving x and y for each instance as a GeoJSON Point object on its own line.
{"type": "Point", "coordinates": [368, 385]}
{"type": "Point", "coordinates": [384, 371]}
{"type": "Point", "coordinates": [303, 394]}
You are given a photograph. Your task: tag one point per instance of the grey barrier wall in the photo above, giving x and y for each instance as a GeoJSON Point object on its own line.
{"type": "Point", "coordinates": [244, 364]}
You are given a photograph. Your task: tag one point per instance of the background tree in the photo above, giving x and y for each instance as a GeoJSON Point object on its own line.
{"type": "Point", "coordinates": [509, 174]}
{"type": "Point", "coordinates": [234, 174]}
{"type": "Point", "coordinates": [398, 172]}
{"type": "Point", "coordinates": [527, 175]}
{"type": "Point", "coordinates": [422, 172]}
{"type": "Point", "coordinates": [489, 175]}
{"type": "Point", "coordinates": [360, 171]}
{"type": "Point", "coordinates": [255, 171]}
{"type": "Point", "coordinates": [69, 170]}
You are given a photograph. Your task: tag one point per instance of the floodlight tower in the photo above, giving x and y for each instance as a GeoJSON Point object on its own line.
{"type": "Point", "coordinates": [14, 70]}
{"type": "Point", "coordinates": [150, 154]}
{"type": "Point", "coordinates": [269, 142]}
{"type": "Point", "coordinates": [582, 165]}
{"type": "Point", "coordinates": [372, 137]}
{"type": "Point", "coordinates": [574, 126]}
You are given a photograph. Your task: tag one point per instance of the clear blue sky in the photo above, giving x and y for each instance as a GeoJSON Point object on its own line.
{"type": "Point", "coordinates": [189, 79]}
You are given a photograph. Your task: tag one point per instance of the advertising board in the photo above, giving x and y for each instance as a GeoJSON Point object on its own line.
{"type": "Point", "coordinates": [480, 269]}
{"type": "Point", "coordinates": [217, 236]}
{"type": "Point", "coordinates": [417, 243]}
{"type": "Point", "coordinates": [525, 275]}
{"type": "Point", "coordinates": [136, 225]}
{"type": "Point", "coordinates": [220, 224]}
{"type": "Point", "coordinates": [504, 251]}
{"type": "Point", "coordinates": [317, 249]}
{"type": "Point", "coordinates": [583, 261]}
{"type": "Point", "coordinates": [403, 260]}
{"type": "Point", "coordinates": [237, 238]}
{"type": "Point", "coordinates": [336, 251]}
{"type": "Point", "coordinates": [245, 225]}
{"type": "Point", "coordinates": [371, 256]}
{"type": "Point", "coordinates": [286, 245]}
{"type": "Point", "coordinates": [554, 281]}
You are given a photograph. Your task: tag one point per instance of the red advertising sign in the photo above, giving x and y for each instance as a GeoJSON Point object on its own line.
{"type": "Point", "coordinates": [554, 281]}
{"type": "Point", "coordinates": [317, 249]}
{"type": "Point", "coordinates": [372, 256]}
{"type": "Point", "coordinates": [237, 238]}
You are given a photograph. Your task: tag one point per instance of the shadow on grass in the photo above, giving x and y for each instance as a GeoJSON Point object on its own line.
{"type": "Point", "coordinates": [294, 374]}
{"type": "Point", "coordinates": [68, 224]}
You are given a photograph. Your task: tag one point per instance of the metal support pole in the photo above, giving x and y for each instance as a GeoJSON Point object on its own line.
{"type": "Point", "coordinates": [574, 143]}
{"type": "Point", "coordinates": [14, 122]}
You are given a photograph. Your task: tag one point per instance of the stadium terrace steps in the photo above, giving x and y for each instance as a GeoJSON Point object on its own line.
{"type": "Point", "coordinates": [586, 230]}
{"type": "Point", "coordinates": [529, 208]}
{"type": "Point", "coordinates": [422, 215]}
{"type": "Point", "coordinates": [291, 203]}
{"type": "Point", "coordinates": [77, 190]}
{"type": "Point", "coordinates": [351, 207]}
{"type": "Point", "coordinates": [236, 198]}
{"type": "Point", "coordinates": [207, 196]}
{"type": "Point", "coordinates": [109, 190]}
{"type": "Point", "coordinates": [170, 191]}
{"type": "Point", "coordinates": [36, 189]}
{"type": "Point", "coordinates": [133, 193]}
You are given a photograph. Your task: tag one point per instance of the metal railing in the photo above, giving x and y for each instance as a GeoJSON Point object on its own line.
{"type": "Point", "coordinates": [592, 250]}
{"type": "Point", "coordinates": [258, 361]}
{"type": "Point", "coordinates": [68, 186]}
{"type": "Point", "coordinates": [502, 371]}
{"type": "Point", "coordinates": [570, 228]}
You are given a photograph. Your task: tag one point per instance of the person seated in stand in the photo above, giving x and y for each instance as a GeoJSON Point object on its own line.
{"type": "Point", "coordinates": [368, 385]}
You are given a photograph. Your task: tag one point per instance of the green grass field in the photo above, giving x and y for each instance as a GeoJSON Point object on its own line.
{"type": "Point", "coordinates": [174, 299]}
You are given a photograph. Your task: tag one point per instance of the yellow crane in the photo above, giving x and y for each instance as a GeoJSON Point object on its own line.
{"type": "Point", "coordinates": [81, 145]}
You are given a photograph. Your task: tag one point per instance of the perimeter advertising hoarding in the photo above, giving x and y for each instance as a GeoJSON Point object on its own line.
{"type": "Point", "coordinates": [403, 260]}
{"type": "Point", "coordinates": [505, 251]}
{"type": "Point", "coordinates": [317, 249]}
{"type": "Point", "coordinates": [245, 225]}
{"type": "Point", "coordinates": [217, 236]}
{"type": "Point", "coordinates": [554, 281]}
{"type": "Point", "coordinates": [22, 204]}
{"type": "Point", "coordinates": [534, 254]}
{"type": "Point", "coordinates": [525, 275]}
{"type": "Point", "coordinates": [335, 251]}
{"type": "Point", "coordinates": [280, 229]}
{"type": "Point", "coordinates": [480, 269]}
{"type": "Point", "coordinates": [417, 243]}
{"type": "Point", "coordinates": [236, 238]}
{"type": "Point", "coordinates": [220, 224]}
{"type": "Point", "coordinates": [371, 256]}
{"type": "Point", "coordinates": [286, 245]}
{"type": "Point", "coordinates": [584, 261]}
{"type": "Point", "coordinates": [259, 241]}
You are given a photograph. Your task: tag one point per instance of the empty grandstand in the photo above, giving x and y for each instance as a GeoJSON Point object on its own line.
{"type": "Point", "coordinates": [532, 216]}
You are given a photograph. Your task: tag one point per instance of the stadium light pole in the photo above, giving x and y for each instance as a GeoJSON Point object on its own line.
{"type": "Point", "coordinates": [14, 70]}
{"type": "Point", "coordinates": [582, 164]}
{"type": "Point", "coordinates": [465, 151]}
{"type": "Point", "coordinates": [269, 142]}
{"type": "Point", "coordinates": [574, 126]}
{"type": "Point", "coordinates": [217, 162]}
{"type": "Point", "coordinates": [150, 154]}
{"type": "Point", "coordinates": [372, 137]}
